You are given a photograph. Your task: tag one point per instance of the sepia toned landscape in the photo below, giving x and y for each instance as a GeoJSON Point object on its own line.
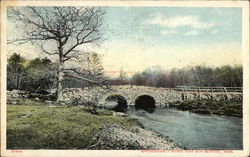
{"type": "Point", "coordinates": [124, 78]}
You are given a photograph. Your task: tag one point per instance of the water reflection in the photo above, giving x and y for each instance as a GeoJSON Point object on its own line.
{"type": "Point", "coordinates": [149, 110]}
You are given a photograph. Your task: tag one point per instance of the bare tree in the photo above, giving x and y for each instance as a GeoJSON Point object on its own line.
{"type": "Point", "coordinates": [89, 70]}
{"type": "Point", "coordinates": [58, 31]}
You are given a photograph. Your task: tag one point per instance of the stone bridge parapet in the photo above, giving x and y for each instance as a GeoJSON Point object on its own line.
{"type": "Point", "coordinates": [162, 96]}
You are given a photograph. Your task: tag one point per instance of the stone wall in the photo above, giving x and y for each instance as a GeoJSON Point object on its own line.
{"type": "Point", "coordinates": [162, 96]}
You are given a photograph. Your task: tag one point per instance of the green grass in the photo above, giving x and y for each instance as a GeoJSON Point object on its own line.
{"type": "Point", "coordinates": [33, 125]}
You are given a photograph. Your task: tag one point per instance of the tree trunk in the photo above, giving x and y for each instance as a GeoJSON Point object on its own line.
{"type": "Point", "coordinates": [59, 83]}
{"type": "Point", "coordinates": [60, 75]}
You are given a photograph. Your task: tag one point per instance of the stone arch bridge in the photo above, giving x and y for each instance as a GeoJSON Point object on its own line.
{"type": "Point", "coordinates": [162, 96]}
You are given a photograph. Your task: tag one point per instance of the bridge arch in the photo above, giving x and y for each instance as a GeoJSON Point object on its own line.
{"type": "Point", "coordinates": [148, 93]}
{"type": "Point", "coordinates": [116, 102]}
{"type": "Point", "coordinates": [107, 95]}
{"type": "Point", "coordinates": [145, 102]}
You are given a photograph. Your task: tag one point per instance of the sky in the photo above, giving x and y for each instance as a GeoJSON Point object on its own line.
{"type": "Point", "coordinates": [170, 37]}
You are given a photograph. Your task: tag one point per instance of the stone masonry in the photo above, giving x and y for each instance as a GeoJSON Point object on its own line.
{"type": "Point", "coordinates": [162, 96]}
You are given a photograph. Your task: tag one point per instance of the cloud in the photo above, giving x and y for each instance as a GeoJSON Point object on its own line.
{"type": "Point", "coordinates": [193, 33]}
{"type": "Point", "coordinates": [168, 32]}
{"type": "Point", "coordinates": [178, 21]}
{"type": "Point", "coordinates": [214, 32]}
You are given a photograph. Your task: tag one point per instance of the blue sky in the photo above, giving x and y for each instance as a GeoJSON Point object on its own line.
{"type": "Point", "coordinates": [170, 37]}
{"type": "Point", "coordinates": [132, 24]}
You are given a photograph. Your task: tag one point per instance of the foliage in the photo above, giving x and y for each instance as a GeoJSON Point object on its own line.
{"type": "Point", "coordinates": [227, 76]}
{"type": "Point", "coordinates": [118, 81]}
{"type": "Point", "coordinates": [33, 125]}
{"type": "Point", "coordinates": [30, 75]}
{"type": "Point", "coordinates": [92, 69]}
{"type": "Point", "coordinates": [41, 75]}
{"type": "Point", "coordinates": [122, 74]}
{"type": "Point", "coordinates": [16, 72]}
{"type": "Point", "coordinates": [230, 108]}
{"type": "Point", "coordinates": [95, 65]}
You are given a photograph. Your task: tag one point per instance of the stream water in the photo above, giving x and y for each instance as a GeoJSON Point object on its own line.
{"type": "Point", "coordinates": [194, 131]}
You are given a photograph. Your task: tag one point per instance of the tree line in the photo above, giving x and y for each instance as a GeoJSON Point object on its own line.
{"type": "Point", "coordinates": [40, 74]}
{"type": "Point", "coordinates": [200, 75]}
{"type": "Point", "coordinates": [30, 75]}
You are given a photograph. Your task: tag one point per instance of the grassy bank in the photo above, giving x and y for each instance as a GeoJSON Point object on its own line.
{"type": "Point", "coordinates": [229, 108]}
{"type": "Point", "coordinates": [33, 125]}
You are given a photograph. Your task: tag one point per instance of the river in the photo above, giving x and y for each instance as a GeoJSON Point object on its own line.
{"type": "Point", "coordinates": [194, 131]}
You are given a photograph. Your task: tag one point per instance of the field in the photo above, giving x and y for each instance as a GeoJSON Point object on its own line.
{"type": "Point", "coordinates": [33, 125]}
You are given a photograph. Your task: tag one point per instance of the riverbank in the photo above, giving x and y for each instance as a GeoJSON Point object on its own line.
{"type": "Point", "coordinates": [33, 124]}
{"type": "Point", "coordinates": [134, 138]}
{"type": "Point", "coordinates": [229, 108]}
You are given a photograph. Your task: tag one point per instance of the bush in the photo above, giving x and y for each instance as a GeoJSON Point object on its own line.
{"type": "Point", "coordinates": [230, 108]}
{"type": "Point", "coordinates": [30, 75]}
